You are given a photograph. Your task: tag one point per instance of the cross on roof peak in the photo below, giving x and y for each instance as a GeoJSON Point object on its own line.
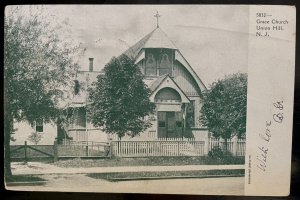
{"type": "Point", "coordinates": [157, 15]}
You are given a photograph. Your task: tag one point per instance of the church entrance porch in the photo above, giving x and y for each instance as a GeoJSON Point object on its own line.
{"type": "Point", "coordinates": [170, 124]}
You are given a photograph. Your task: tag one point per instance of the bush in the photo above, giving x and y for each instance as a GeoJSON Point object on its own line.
{"type": "Point", "coordinates": [219, 154]}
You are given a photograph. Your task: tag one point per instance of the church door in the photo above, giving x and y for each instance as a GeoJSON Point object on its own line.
{"type": "Point", "coordinates": [169, 124]}
{"type": "Point", "coordinates": [162, 124]}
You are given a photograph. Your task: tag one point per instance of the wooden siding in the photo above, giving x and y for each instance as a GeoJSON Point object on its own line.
{"type": "Point", "coordinates": [185, 80]}
{"type": "Point", "coordinates": [197, 110]}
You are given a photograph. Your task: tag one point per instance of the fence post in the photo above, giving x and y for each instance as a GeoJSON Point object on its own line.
{"type": "Point", "coordinates": [178, 143]}
{"type": "Point", "coordinates": [147, 148]}
{"type": "Point", "coordinates": [87, 150]}
{"type": "Point", "coordinates": [110, 149]}
{"type": "Point", "coordinates": [206, 144]}
{"type": "Point", "coordinates": [55, 151]}
{"type": "Point", "coordinates": [235, 145]}
{"type": "Point", "coordinates": [119, 148]}
{"type": "Point", "coordinates": [221, 144]}
{"type": "Point", "coordinates": [25, 151]}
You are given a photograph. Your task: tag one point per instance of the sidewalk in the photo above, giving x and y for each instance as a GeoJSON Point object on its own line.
{"type": "Point", "coordinates": [18, 168]}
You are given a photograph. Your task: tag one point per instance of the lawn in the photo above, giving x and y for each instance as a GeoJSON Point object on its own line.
{"type": "Point", "coordinates": [152, 161]}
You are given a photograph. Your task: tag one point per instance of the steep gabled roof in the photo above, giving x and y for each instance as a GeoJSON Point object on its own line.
{"type": "Point", "coordinates": [155, 39]}
{"type": "Point", "coordinates": [166, 81]}
{"type": "Point", "coordinates": [157, 82]}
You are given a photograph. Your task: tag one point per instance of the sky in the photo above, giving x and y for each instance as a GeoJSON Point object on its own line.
{"type": "Point", "coordinates": [213, 39]}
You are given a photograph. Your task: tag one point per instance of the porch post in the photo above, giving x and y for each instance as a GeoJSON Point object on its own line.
{"type": "Point", "coordinates": [184, 119]}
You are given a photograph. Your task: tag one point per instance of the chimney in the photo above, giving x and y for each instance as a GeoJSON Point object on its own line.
{"type": "Point", "coordinates": [91, 64]}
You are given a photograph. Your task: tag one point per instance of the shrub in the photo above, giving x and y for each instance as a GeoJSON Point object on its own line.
{"type": "Point", "coordinates": [221, 155]}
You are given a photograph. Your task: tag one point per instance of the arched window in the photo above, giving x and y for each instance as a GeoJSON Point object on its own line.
{"type": "Point", "coordinates": [165, 65]}
{"type": "Point", "coordinates": [165, 61]}
{"type": "Point", "coordinates": [150, 64]}
{"type": "Point", "coordinates": [167, 95]}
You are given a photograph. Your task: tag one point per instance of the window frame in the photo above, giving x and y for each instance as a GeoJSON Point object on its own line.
{"type": "Point", "coordinates": [39, 126]}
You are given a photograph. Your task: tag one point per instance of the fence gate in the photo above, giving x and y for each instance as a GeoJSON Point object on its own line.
{"type": "Point", "coordinates": [26, 152]}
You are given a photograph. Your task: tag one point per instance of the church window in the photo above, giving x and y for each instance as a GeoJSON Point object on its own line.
{"type": "Point", "coordinates": [165, 64]}
{"type": "Point", "coordinates": [167, 95]}
{"type": "Point", "coordinates": [190, 116]}
{"type": "Point", "coordinates": [150, 64]}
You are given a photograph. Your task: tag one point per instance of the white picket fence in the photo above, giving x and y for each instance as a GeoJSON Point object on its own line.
{"type": "Point", "coordinates": [174, 147]}
{"type": "Point", "coordinates": [241, 147]}
{"type": "Point", "coordinates": [235, 146]}
{"type": "Point", "coordinates": [157, 148]}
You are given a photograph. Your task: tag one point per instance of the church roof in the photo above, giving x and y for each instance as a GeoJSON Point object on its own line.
{"type": "Point", "coordinates": [157, 82]}
{"type": "Point", "coordinates": [155, 39]}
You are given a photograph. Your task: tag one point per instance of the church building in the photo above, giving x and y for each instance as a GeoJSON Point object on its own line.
{"type": "Point", "coordinates": [175, 87]}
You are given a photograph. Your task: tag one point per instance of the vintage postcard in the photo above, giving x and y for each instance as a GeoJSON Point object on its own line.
{"type": "Point", "coordinates": [162, 99]}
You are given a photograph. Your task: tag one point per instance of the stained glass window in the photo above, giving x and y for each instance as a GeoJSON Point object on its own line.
{"type": "Point", "coordinates": [150, 64]}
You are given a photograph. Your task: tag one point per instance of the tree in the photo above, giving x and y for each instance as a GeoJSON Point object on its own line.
{"type": "Point", "coordinates": [224, 107]}
{"type": "Point", "coordinates": [35, 137]}
{"type": "Point", "coordinates": [38, 68]}
{"type": "Point", "coordinates": [120, 99]}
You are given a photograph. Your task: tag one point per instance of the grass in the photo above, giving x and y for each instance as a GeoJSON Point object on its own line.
{"type": "Point", "coordinates": [166, 175]}
{"type": "Point", "coordinates": [152, 161]}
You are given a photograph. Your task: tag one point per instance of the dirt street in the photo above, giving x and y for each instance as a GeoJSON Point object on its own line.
{"type": "Point", "coordinates": [73, 183]}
